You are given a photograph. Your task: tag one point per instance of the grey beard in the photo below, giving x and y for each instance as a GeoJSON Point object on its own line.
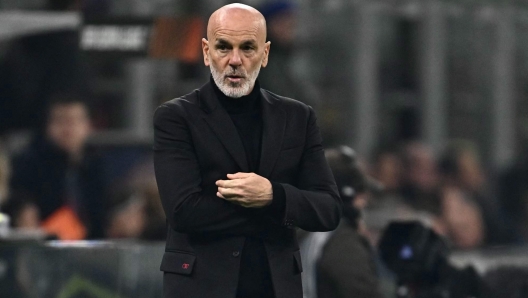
{"type": "Point", "coordinates": [230, 91]}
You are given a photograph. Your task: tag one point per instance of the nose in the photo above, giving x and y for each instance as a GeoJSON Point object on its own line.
{"type": "Point", "coordinates": [234, 60]}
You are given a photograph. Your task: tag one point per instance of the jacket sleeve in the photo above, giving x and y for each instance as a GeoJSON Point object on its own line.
{"type": "Point", "coordinates": [313, 204]}
{"type": "Point", "coordinates": [187, 207]}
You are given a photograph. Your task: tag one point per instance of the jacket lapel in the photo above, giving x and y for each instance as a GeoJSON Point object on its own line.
{"type": "Point", "coordinates": [221, 124]}
{"type": "Point", "coordinates": [274, 126]}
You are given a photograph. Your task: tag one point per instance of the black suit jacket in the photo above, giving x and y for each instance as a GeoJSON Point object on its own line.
{"type": "Point", "coordinates": [196, 144]}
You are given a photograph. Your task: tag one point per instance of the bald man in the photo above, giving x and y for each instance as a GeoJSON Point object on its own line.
{"type": "Point", "coordinates": [238, 168]}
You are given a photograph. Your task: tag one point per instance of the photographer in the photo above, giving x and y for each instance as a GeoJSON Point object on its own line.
{"type": "Point", "coordinates": [346, 266]}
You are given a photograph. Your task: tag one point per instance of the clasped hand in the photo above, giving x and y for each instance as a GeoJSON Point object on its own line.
{"type": "Point", "coordinates": [245, 189]}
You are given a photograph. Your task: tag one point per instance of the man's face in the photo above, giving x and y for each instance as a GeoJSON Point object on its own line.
{"type": "Point", "coordinates": [235, 51]}
{"type": "Point", "coordinates": [69, 126]}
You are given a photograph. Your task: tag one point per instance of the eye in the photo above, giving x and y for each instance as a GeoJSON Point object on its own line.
{"type": "Point", "coordinates": [247, 48]}
{"type": "Point", "coordinates": [222, 47]}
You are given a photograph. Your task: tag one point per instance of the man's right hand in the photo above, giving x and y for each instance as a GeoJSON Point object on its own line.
{"type": "Point", "coordinates": [246, 189]}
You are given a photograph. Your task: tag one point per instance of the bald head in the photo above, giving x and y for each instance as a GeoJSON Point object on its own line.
{"type": "Point", "coordinates": [236, 48]}
{"type": "Point", "coordinates": [239, 13]}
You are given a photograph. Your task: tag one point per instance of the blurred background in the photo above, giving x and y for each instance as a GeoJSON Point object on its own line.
{"type": "Point", "coordinates": [431, 94]}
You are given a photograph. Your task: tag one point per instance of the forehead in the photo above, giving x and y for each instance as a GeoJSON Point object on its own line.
{"type": "Point", "coordinates": [237, 27]}
{"type": "Point", "coordinates": [70, 109]}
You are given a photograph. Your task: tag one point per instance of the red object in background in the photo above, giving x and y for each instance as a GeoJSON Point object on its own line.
{"type": "Point", "coordinates": [177, 39]}
{"type": "Point", "coordinates": [65, 224]}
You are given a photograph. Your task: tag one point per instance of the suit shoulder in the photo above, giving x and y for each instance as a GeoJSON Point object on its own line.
{"type": "Point", "coordinates": [289, 103]}
{"type": "Point", "coordinates": [177, 109]}
{"type": "Point", "coordinates": [183, 102]}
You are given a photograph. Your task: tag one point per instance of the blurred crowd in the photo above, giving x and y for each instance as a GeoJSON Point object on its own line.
{"type": "Point", "coordinates": [449, 191]}
{"type": "Point", "coordinates": [52, 179]}
{"type": "Point", "coordinates": [405, 210]}
{"type": "Point", "coordinates": [56, 183]}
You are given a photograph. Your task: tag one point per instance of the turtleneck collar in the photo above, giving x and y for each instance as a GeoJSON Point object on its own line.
{"type": "Point", "coordinates": [243, 104]}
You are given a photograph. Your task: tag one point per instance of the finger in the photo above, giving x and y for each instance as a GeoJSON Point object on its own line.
{"type": "Point", "coordinates": [218, 194]}
{"type": "Point", "coordinates": [239, 175]}
{"type": "Point", "coordinates": [228, 192]}
{"type": "Point", "coordinates": [226, 183]}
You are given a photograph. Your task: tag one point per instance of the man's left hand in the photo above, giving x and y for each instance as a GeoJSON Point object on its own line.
{"type": "Point", "coordinates": [246, 189]}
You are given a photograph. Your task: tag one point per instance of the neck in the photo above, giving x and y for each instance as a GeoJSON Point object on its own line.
{"type": "Point", "coordinates": [240, 104]}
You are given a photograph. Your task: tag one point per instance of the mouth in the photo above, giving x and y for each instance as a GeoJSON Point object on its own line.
{"type": "Point", "coordinates": [234, 78]}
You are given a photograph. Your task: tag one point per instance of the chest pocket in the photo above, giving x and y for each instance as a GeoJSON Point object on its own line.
{"type": "Point", "coordinates": [178, 262]}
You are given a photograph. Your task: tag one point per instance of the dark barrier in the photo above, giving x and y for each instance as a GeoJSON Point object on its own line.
{"type": "Point", "coordinates": [80, 269]}
{"type": "Point", "coordinates": [130, 269]}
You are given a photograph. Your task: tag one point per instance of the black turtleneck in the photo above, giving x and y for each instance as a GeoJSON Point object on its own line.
{"type": "Point", "coordinates": [246, 116]}
{"type": "Point", "coordinates": [254, 277]}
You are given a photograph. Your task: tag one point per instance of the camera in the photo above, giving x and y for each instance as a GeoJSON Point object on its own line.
{"type": "Point", "coordinates": [419, 259]}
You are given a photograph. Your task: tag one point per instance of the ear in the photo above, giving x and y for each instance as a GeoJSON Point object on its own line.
{"type": "Point", "coordinates": [266, 53]}
{"type": "Point", "coordinates": [205, 50]}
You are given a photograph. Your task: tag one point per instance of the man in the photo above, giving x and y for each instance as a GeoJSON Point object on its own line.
{"type": "Point", "coordinates": [238, 168]}
{"type": "Point", "coordinates": [346, 267]}
{"type": "Point", "coordinates": [59, 176]}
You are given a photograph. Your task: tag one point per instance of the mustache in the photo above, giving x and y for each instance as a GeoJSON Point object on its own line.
{"type": "Point", "coordinates": [235, 72]}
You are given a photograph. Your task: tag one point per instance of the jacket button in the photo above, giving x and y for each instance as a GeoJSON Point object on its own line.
{"type": "Point", "coordinates": [236, 253]}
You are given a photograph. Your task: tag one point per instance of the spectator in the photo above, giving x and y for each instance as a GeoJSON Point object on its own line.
{"type": "Point", "coordinates": [135, 209]}
{"type": "Point", "coordinates": [23, 212]}
{"type": "Point", "coordinates": [420, 187]}
{"type": "Point", "coordinates": [156, 227]}
{"type": "Point", "coordinates": [142, 178]}
{"type": "Point", "coordinates": [60, 176]}
{"type": "Point", "coordinates": [388, 168]}
{"type": "Point", "coordinates": [127, 215]}
{"type": "Point", "coordinates": [461, 166]}
{"type": "Point", "coordinates": [464, 190]}
{"type": "Point", "coordinates": [462, 218]}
